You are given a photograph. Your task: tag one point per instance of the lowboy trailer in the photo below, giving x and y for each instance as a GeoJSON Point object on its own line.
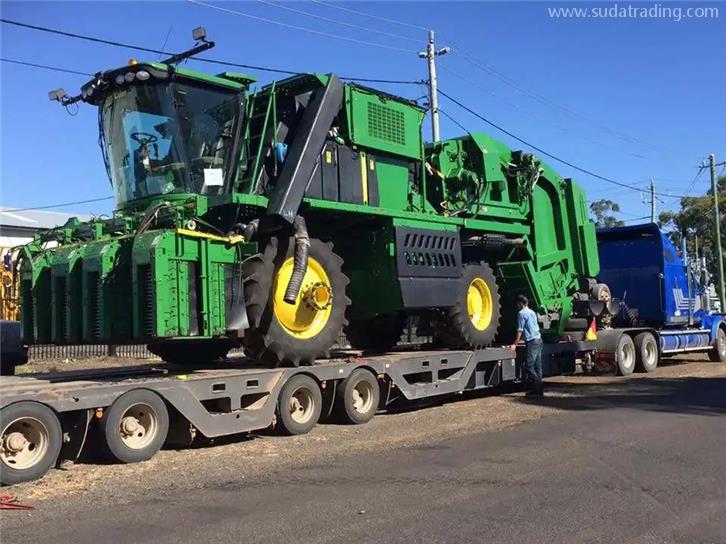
{"type": "Point", "coordinates": [132, 412]}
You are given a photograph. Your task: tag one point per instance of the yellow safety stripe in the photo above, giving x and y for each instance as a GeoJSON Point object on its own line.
{"type": "Point", "coordinates": [364, 177]}
{"type": "Point", "coordinates": [234, 239]}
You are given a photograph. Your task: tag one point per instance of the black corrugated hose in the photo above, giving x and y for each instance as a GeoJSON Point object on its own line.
{"type": "Point", "coordinates": [300, 263]}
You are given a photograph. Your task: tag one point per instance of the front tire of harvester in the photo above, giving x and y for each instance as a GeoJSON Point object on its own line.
{"type": "Point", "coordinates": [30, 441]}
{"type": "Point", "coordinates": [718, 353]}
{"type": "Point", "coordinates": [473, 321]}
{"type": "Point", "coordinates": [625, 356]}
{"type": "Point", "coordinates": [135, 427]}
{"type": "Point", "coordinates": [357, 397]}
{"type": "Point", "coordinates": [646, 352]}
{"type": "Point", "coordinates": [376, 334]}
{"type": "Point", "coordinates": [299, 333]}
{"type": "Point", "coordinates": [299, 405]}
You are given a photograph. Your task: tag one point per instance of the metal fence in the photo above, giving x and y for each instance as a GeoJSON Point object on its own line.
{"type": "Point", "coordinates": [44, 352]}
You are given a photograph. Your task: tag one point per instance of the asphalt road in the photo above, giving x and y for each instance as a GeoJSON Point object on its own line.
{"type": "Point", "coordinates": [639, 461]}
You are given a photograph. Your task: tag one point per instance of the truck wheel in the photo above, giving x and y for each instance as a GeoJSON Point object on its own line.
{"type": "Point", "coordinates": [135, 426]}
{"type": "Point", "coordinates": [646, 352]}
{"type": "Point", "coordinates": [357, 397]}
{"type": "Point", "coordinates": [625, 356]}
{"type": "Point", "coordinates": [718, 353]}
{"type": "Point", "coordinates": [379, 333]}
{"type": "Point", "coordinates": [472, 322]}
{"type": "Point", "coordinates": [298, 333]}
{"type": "Point", "coordinates": [30, 441]}
{"type": "Point", "coordinates": [299, 405]}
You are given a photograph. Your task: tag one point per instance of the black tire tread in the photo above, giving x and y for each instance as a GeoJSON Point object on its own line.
{"type": "Point", "coordinates": [454, 328]}
{"type": "Point", "coordinates": [265, 340]}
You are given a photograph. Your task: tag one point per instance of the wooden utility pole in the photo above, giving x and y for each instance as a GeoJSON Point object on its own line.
{"type": "Point", "coordinates": [717, 230]}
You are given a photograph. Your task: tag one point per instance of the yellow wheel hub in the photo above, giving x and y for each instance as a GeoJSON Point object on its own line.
{"type": "Point", "coordinates": [479, 304]}
{"type": "Point", "coordinates": [311, 311]}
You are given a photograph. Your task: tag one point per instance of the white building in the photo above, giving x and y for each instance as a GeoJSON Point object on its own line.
{"type": "Point", "coordinates": [19, 227]}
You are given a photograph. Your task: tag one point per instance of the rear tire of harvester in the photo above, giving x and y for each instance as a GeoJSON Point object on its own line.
{"type": "Point", "coordinates": [646, 352]}
{"type": "Point", "coordinates": [473, 321]}
{"type": "Point", "coordinates": [294, 334]}
{"type": "Point", "coordinates": [190, 352]}
{"type": "Point", "coordinates": [718, 353]}
{"type": "Point", "coordinates": [625, 356]}
{"type": "Point", "coordinates": [376, 334]}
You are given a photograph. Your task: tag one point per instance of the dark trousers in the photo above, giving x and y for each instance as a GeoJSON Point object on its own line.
{"type": "Point", "coordinates": [533, 363]}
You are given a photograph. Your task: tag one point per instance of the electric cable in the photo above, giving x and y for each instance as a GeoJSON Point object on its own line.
{"type": "Point", "coordinates": [548, 154]}
{"type": "Point", "coordinates": [33, 208]}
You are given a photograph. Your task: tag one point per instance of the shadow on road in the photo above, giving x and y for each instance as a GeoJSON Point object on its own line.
{"type": "Point", "coordinates": [687, 395]}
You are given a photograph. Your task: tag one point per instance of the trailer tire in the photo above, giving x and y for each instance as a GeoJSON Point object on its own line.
{"type": "Point", "coordinates": [376, 334]}
{"type": "Point", "coordinates": [718, 353]}
{"type": "Point", "coordinates": [473, 321]}
{"type": "Point", "coordinates": [294, 334]}
{"type": "Point", "coordinates": [357, 397]}
{"type": "Point", "coordinates": [34, 432]}
{"type": "Point", "coordinates": [135, 426]}
{"type": "Point", "coordinates": [625, 355]}
{"type": "Point", "coordinates": [647, 353]}
{"type": "Point", "coordinates": [299, 405]}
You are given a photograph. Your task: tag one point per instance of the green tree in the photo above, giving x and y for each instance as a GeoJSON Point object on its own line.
{"type": "Point", "coordinates": [602, 213]}
{"type": "Point", "coordinates": [695, 219]}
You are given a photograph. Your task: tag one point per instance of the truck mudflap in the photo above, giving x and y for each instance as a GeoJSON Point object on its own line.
{"type": "Point", "coordinates": [13, 352]}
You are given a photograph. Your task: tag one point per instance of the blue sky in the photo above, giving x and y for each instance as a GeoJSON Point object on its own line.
{"type": "Point", "coordinates": [627, 98]}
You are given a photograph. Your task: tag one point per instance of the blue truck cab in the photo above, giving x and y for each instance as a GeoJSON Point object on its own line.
{"type": "Point", "coordinates": [646, 273]}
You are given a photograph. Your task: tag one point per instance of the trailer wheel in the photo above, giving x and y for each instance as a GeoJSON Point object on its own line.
{"type": "Point", "coordinates": [625, 356]}
{"type": "Point", "coordinates": [357, 397]}
{"type": "Point", "coordinates": [718, 353]}
{"type": "Point", "coordinates": [135, 426]}
{"type": "Point", "coordinates": [473, 321]}
{"type": "Point", "coordinates": [299, 405]}
{"type": "Point", "coordinates": [377, 334]}
{"type": "Point", "coordinates": [646, 352]}
{"type": "Point", "coordinates": [299, 333]}
{"type": "Point", "coordinates": [30, 441]}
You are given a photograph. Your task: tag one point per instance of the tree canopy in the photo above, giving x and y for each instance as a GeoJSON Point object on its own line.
{"type": "Point", "coordinates": [695, 219]}
{"type": "Point", "coordinates": [602, 213]}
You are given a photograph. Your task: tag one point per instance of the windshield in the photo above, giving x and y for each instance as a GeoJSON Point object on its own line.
{"type": "Point", "coordinates": [167, 138]}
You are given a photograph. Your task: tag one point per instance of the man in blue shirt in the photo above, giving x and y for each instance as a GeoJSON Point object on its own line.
{"type": "Point", "coordinates": [528, 328]}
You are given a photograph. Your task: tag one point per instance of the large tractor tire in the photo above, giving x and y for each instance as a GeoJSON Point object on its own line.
{"type": "Point", "coordinates": [472, 322]}
{"type": "Point", "coordinates": [294, 334]}
{"type": "Point", "coordinates": [376, 334]}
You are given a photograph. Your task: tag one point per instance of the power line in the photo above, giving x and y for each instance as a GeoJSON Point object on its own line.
{"type": "Point", "coordinates": [538, 97]}
{"type": "Point", "coordinates": [337, 22]}
{"type": "Point", "coordinates": [55, 205]}
{"type": "Point", "coordinates": [450, 118]}
{"type": "Point", "coordinates": [45, 67]}
{"type": "Point", "coordinates": [536, 117]}
{"type": "Point", "coordinates": [370, 15]}
{"type": "Point", "coordinates": [548, 154]}
{"type": "Point", "coordinates": [301, 28]}
{"type": "Point", "coordinates": [158, 51]}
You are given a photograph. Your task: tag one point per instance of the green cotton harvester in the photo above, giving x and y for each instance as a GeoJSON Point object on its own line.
{"type": "Point", "coordinates": [276, 218]}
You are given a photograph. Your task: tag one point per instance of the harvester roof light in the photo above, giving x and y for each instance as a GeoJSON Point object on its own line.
{"type": "Point", "coordinates": [129, 76]}
{"type": "Point", "coordinates": [142, 75]}
{"type": "Point", "coordinates": [199, 34]}
{"type": "Point", "coordinates": [57, 95]}
{"type": "Point", "coordinates": [119, 79]}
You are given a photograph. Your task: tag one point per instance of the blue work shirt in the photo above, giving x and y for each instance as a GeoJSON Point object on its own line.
{"type": "Point", "coordinates": [527, 324]}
